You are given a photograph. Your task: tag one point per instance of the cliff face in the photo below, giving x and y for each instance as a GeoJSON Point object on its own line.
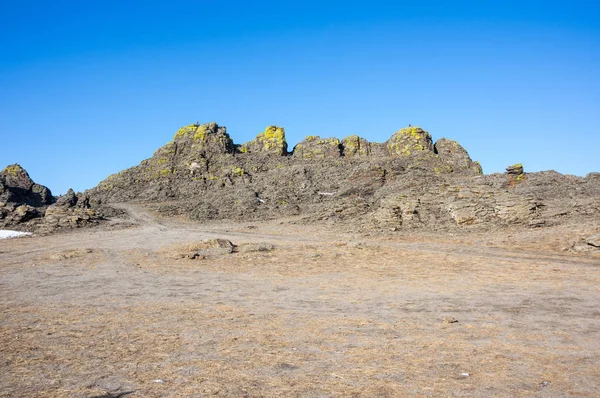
{"type": "Point", "coordinates": [406, 182]}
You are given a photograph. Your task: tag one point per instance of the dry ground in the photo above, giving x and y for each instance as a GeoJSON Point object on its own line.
{"type": "Point", "coordinates": [116, 312]}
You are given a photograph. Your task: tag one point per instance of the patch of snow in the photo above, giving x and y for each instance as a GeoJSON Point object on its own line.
{"type": "Point", "coordinates": [7, 234]}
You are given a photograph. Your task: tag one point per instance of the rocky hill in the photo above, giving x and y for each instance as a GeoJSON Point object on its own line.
{"type": "Point", "coordinates": [407, 182]}
{"type": "Point", "coordinates": [30, 206]}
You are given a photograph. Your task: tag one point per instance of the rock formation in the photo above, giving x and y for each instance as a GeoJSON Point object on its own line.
{"type": "Point", "coordinates": [404, 183]}
{"type": "Point", "coordinates": [29, 206]}
{"type": "Point", "coordinates": [315, 147]}
{"type": "Point", "coordinates": [407, 182]}
{"type": "Point", "coordinates": [270, 141]}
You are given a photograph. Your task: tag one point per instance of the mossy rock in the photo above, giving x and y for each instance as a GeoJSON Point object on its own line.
{"type": "Point", "coordinates": [270, 141]}
{"type": "Point", "coordinates": [516, 169]}
{"type": "Point", "coordinates": [315, 147]}
{"type": "Point", "coordinates": [207, 138]}
{"type": "Point", "coordinates": [409, 141]}
{"type": "Point", "coordinates": [355, 146]}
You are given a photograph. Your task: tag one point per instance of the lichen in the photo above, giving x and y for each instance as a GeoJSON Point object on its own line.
{"type": "Point", "coordinates": [238, 171]}
{"type": "Point", "coordinates": [442, 169]}
{"type": "Point", "coordinates": [13, 169]}
{"type": "Point", "coordinates": [272, 138]}
{"type": "Point", "coordinates": [317, 147]}
{"type": "Point", "coordinates": [355, 146]}
{"type": "Point", "coordinates": [409, 140]}
{"type": "Point", "coordinates": [185, 130]}
{"type": "Point", "coordinates": [200, 134]}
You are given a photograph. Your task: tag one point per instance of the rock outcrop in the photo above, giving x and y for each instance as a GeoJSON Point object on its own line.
{"type": "Point", "coordinates": [354, 145]}
{"type": "Point", "coordinates": [271, 141]}
{"type": "Point", "coordinates": [29, 206]}
{"type": "Point", "coordinates": [410, 141]}
{"type": "Point", "coordinates": [315, 147]}
{"type": "Point", "coordinates": [406, 182]}
{"type": "Point", "coordinates": [455, 156]}
{"type": "Point", "coordinates": [17, 187]}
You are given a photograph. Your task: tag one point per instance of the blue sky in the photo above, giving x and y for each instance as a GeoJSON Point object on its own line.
{"type": "Point", "coordinates": [88, 88]}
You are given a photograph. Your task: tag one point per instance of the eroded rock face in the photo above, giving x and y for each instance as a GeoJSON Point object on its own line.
{"type": "Point", "coordinates": [403, 183]}
{"type": "Point", "coordinates": [455, 156]}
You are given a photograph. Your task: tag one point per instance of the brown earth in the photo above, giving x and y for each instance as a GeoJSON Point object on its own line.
{"type": "Point", "coordinates": [298, 310]}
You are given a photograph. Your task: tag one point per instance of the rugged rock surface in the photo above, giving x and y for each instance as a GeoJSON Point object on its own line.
{"type": "Point", "coordinates": [355, 146]}
{"type": "Point", "coordinates": [17, 187]}
{"type": "Point", "coordinates": [315, 147]}
{"type": "Point", "coordinates": [455, 156]}
{"type": "Point", "coordinates": [26, 205]}
{"type": "Point", "coordinates": [271, 141]}
{"type": "Point", "coordinates": [406, 182]}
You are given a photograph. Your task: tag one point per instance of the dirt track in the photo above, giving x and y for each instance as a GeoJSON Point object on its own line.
{"type": "Point", "coordinates": [108, 312]}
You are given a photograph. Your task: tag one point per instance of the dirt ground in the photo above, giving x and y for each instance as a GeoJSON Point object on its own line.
{"type": "Point", "coordinates": [298, 311]}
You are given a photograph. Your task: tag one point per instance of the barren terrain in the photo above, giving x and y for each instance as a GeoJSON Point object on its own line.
{"type": "Point", "coordinates": [297, 310]}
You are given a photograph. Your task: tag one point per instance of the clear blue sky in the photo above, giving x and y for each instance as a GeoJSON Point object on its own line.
{"type": "Point", "coordinates": [88, 88]}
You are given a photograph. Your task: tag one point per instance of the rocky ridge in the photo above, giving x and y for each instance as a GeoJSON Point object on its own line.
{"type": "Point", "coordinates": [407, 182]}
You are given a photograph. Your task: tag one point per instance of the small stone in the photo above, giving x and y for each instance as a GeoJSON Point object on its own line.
{"type": "Point", "coordinates": [593, 240]}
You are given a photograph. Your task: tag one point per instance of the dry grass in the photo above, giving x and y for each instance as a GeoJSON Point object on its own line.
{"type": "Point", "coordinates": [319, 319]}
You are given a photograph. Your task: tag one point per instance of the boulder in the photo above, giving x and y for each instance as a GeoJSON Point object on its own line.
{"type": "Point", "coordinates": [24, 213]}
{"type": "Point", "coordinates": [593, 240]}
{"type": "Point", "coordinates": [202, 249]}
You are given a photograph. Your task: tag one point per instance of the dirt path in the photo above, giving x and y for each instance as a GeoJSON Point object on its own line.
{"type": "Point", "coordinates": [107, 312]}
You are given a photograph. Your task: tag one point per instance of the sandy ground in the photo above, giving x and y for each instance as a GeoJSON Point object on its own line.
{"type": "Point", "coordinates": [117, 312]}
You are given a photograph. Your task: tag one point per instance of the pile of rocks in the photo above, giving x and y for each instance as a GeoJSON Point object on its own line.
{"type": "Point", "coordinates": [29, 206]}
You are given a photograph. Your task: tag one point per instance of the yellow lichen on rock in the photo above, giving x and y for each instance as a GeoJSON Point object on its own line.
{"type": "Point", "coordinates": [272, 140]}
{"type": "Point", "coordinates": [407, 141]}
{"type": "Point", "coordinates": [315, 147]}
{"type": "Point", "coordinates": [185, 130]}
{"type": "Point", "coordinates": [12, 169]}
{"type": "Point", "coordinates": [355, 146]}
